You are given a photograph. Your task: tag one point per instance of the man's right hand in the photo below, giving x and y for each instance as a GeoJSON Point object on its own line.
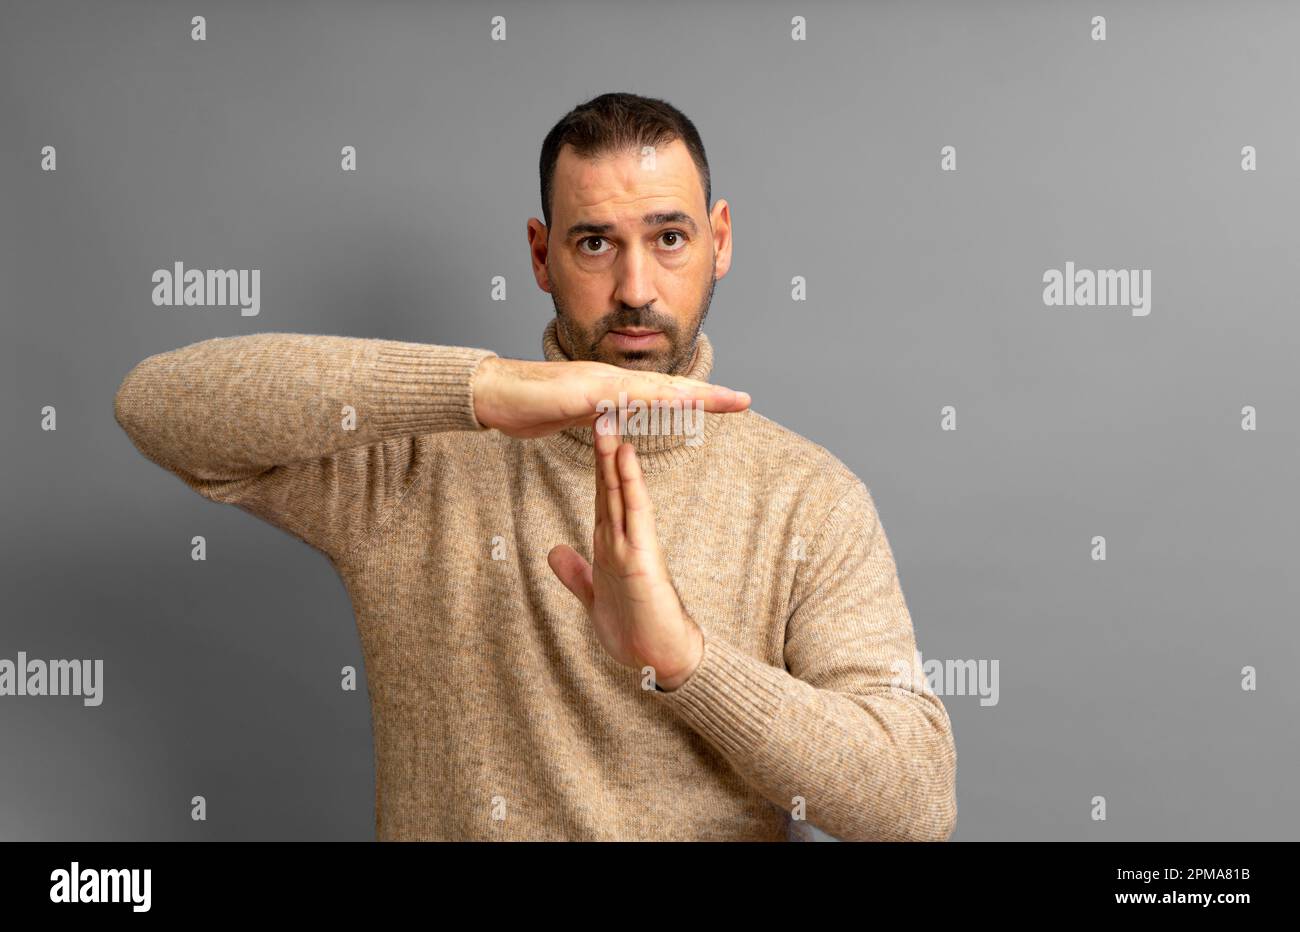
{"type": "Point", "coordinates": [524, 398]}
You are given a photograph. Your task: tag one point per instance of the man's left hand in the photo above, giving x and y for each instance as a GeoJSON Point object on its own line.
{"type": "Point", "coordinates": [629, 593]}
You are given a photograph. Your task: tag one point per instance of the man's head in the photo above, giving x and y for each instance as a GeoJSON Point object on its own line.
{"type": "Point", "coordinates": [628, 241]}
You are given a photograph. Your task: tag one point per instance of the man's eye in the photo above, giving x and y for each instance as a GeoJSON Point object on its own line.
{"type": "Point", "coordinates": [588, 240]}
{"type": "Point", "coordinates": [679, 239]}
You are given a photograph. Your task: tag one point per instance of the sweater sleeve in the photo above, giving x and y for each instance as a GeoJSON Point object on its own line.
{"type": "Point", "coordinates": [872, 760]}
{"type": "Point", "coordinates": [315, 434]}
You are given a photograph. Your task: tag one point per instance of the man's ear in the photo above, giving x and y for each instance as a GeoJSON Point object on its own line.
{"type": "Point", "coordinates": [720, 221]}
{"type": "Point", "coordinates": [539, 250]}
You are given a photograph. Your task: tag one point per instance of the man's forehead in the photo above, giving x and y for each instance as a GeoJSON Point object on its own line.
{"type": "Point", "coordinates": [663, 180]}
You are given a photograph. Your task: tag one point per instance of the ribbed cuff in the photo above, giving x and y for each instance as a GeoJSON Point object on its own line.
{"type": "Point", "coordinates": [730, 698]}
{"type": "Point", "coordinates": [423, 388]}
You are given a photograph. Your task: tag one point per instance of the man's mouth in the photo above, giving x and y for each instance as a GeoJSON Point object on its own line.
{"type": "Point", "coordinates": [634, 337]}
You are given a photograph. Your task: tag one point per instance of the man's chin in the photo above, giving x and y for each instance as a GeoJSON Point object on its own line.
{"type": "Point", "coordinates": [643, 360]}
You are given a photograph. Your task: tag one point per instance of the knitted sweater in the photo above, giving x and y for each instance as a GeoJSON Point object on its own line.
{"type": "Point", "coordinates": [496, 712]}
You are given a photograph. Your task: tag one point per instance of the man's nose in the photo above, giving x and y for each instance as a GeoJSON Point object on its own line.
{"type": "Point", "coordinates": [636, 287]}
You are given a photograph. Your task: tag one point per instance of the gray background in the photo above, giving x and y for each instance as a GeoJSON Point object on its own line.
{"type": "Point", "coordinates": [1119, 679]}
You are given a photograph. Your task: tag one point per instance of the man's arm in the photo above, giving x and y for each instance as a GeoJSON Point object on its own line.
{"type": "Point", "coordinates": [261, 421]}
{"type": "Point", "coordinates": [872, 760]}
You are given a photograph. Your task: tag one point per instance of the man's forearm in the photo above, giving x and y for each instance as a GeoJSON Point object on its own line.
{"type": "Point", "coordinates": [233, 407]}
{"type": "Point", "coordinates": [875, 767]}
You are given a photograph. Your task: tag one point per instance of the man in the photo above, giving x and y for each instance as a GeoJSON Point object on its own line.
{"type": "Point", "coordinates": [690, 634]}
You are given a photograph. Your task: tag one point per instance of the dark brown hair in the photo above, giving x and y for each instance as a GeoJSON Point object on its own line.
{"type": "Point", "coordinates": [613, 123]}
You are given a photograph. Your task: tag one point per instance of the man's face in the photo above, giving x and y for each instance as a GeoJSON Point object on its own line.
{"type": "Point", "coordinates": [632, 247]}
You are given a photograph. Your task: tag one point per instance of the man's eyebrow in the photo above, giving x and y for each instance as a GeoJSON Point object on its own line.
{"type": "Point", "coordinates": [650, 220]}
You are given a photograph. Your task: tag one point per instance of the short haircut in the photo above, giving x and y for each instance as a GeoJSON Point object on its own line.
{"type": "Point", "coordinates": [614, 123]}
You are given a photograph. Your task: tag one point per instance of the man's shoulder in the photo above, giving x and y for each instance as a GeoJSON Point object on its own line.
{"type": "Point", "coordinates": [785, 456]}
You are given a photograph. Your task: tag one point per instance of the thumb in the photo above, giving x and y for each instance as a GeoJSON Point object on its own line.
{"type": "Point", "coordinates": [574, 572]}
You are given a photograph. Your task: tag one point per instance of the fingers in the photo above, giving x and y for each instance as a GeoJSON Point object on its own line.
{"type": "Point", "coordinates": [622, 498]}
{"type": "Point", "coordinates": [575, 572]}
{"type": "Point", "coordinates": [607, 381]}
{"type": "Point", "coordinates": [638, 512]}
{"type": "Point", "coordinates": [602, 509]}
{"type": "Point", "coordinates": [528, 399]}
{"type": "Point", "coordinates": [607, 481]}
{"type": "Point", "coordinates": [658, 387]}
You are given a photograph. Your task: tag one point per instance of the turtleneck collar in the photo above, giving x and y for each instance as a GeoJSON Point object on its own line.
{"type": "Point", "coordinates": [655, 451]}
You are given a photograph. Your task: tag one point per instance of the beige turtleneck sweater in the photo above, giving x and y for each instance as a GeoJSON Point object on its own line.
{"type": "Point", "coordinates": [496, 712]}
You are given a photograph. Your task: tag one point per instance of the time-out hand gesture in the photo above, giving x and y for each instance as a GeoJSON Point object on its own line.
{"type": "Point", "coordinates": [628, 593]}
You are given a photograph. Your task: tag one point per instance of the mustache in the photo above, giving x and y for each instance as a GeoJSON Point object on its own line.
{"type": "Point", "coordinates": [638, 320]}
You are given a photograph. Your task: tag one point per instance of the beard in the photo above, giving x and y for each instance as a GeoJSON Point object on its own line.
{"type": "Point", "coordinates": [589, 343]}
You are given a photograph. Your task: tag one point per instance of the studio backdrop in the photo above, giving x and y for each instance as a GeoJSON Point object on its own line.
{"type": "Point", "coordinates": [1026, 268]}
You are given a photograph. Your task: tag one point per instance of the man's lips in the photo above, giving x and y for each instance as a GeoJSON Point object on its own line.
{"type": "Point", "coordinates": [634, 339]}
